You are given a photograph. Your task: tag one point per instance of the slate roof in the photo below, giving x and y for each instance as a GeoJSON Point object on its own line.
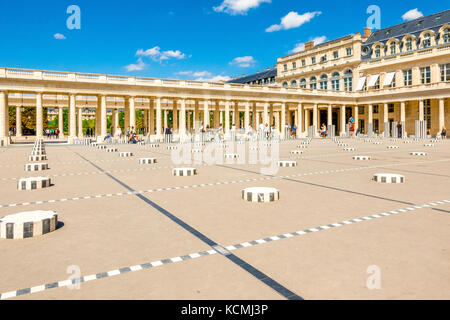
{"type": "Point", "coordinates": [257, 76]}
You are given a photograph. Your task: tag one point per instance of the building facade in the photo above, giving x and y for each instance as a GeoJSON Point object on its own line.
{"type": "Point", "coordinates": [399, 74]}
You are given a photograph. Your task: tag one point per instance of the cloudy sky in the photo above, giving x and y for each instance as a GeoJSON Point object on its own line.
{"type": "Point", "coordinates": [179, 39]}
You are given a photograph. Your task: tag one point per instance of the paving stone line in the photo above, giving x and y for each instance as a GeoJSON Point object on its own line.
{"type": "Point", "coordinates": [217, 250]}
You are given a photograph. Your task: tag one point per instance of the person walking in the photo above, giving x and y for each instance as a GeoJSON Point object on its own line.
{"type": "Point", "coordinates": [444, 133]}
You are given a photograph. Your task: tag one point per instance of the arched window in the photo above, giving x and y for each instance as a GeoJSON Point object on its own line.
{"type": "Point", "coordinates": [447, 35]}
{"type": "Point", "coordinates": [377, 51]}
{"type": "Point", "coordinates": [408, 44]}
{"type": "Point", "coordinates": [313, 83]}
{"type": "Point", "coordinates": [426, 40]}
{"type": "Point", "coordinates": [285, 84]}
{"type": "Point", "coordinates": [324, 82]}
{"type": "Point", "coordinates": [348, 80]}
{"type": "Point", "coordinates": [335, 81]}
{"type": "Point", "coordinates": [294, 84]}
{"type": "Point", "coordinates": [303, 84]}
{"type": "Point", "coordinates": [393, 48]}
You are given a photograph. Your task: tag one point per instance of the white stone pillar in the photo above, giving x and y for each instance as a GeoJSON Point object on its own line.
{"type": "Point", "coordinates": [152, 117]}
{"type": "Point", "coordinates": [72, 117]}
{"type": "Point", "coordinates": [158, 118]}
{"type": "Point", "coordinates": [237, 118]}
{"type": "Point", "coordinates": [103, 122]}
{"type": "Point", "coordinates": [132, 113]}
{"type": "Point", "coordinates": [247, 116]}
{"type": "Point", "coordinates": [18, 121]}
{"type": "Point", "coordinates": [175, 115]}
{"type": "Point", "coordinates": [386, 118]}
{"type": "Point", "coordinates": [126, 122]}
{"type": "Point", "coordinates": [205, 114]}
{"type": "Point", "coordinates": [227, 116]}
{"type": "Point", "coordinates": [315, 119]}
{"type": "Point", "coordinates": [343, 120]}
{"type": "Point", "coordinates": [254, 117]}
{"type": "Point", "coordinates": [330, 116]}
{"type": "Point", "coordinates": [183, 118]}
{"type": "Point", "coordinates": [4, 132]}
{"type": "Point", "coordinates": [403, 112]}
{"type": "Point", "coordinates": [370, 120]}
{"type": "Point", "coordinates": [266, 113]}
{"type": "Point", "coordinates": [61, 122]}
{"type": "Point", "coordinates": [39, 116]}
{"type": "Point", "coordinates": [196, 116]}
{"type": "Point", "coordinates": [80, 122]}
{"type": "Point", "coordinates": [115, 120]}
{"type": "Point", "coordinates": [271, 115]}
{"type": "Point", "coordinates": [356, 113]}
{"type": "Point", "coordinates": [421, 111]}
{"type": "Point", "coordinates": [283, 120]}
{"type": "Point", "coordinates": [166, 123]}
{"type": "Point", "coordinates": [441, 114]}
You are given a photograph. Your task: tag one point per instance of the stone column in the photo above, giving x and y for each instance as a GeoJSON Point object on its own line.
{"type": "Point", "coordinates": [330, 116]}
{"type": "Point", "coordinates": [315, 119]}
{"type": "Point", "coordinates": [254, 117]}
{"type": "Point", "coordinates": [18, 121]}
{"type": "Point", "coordinates": [421, 111]}
{"type": "Point", "coordinates": [132, 106]}
{"type": "Point", "coordinates": [103, 122]}
{"type": "Point", "coordinates": [175, 115]}
{"type": "Point", "coordinates": [61, 122]}
{"type": "Point", "coordinates": [441, 114]}
{"type": "Point", "coordinates": [115, 120]}
{"type": "Point", "coordinates": [39, 116]}
{"type": "Point", "coordinates": [216, 114]}
{"type": "Point", "coordinates": [299, 120]}
{"type": "Point", "coordinates": [343, 120]}
{"type": "Point", "coordinates": [80, 122]}
{"type": "Point", "coordinates": [227, 116]}
{"type": "Point", "coordinates": [247, 116]}
{"type": "Point", "coordinates": [72, 116]}
{"type": "Point", "coordinates": [266, 113]}
{"type": "Point", "coordinates": [4, 131]}
{"type": "Point", "coordinates": [166, 115]}
{"type": "Point", "coordinates": [386, 119]}
{"type": "Point", "coordinates": [158, 118]}
{"type": "Point", "coordinates": [370, 120]}
{"type": "Point", "coordinates": [98, 117]}
{"type": "Point", "coordinates": [271, 115]}
{"type": "Point", "coordinates": [283, 120]}
{"type": "Point", "coordinates": [152, 117]}
{"type": "Point", "coordinates": [205, 114]}
{"type": "Point", "coordinates": [183, 118]}
{"type": "Point", "coordinates": [237, 118]}
{"type": "Point", "coordinates": [196, 116]}
{"type": "Point", "coordinates": [356, 118]}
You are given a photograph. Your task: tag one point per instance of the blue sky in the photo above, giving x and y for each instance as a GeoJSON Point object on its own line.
{"type": "Point", "coordinates": [197, 39]}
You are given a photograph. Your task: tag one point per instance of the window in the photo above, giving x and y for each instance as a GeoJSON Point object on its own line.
{"type": "Point", "coordinates": [348, 80]}
{"type": "Point", "coordinates": [323, 58]}
{"type": "Point", "coordinates": [294, 84]}
{"type": "Point", "coordinates": [324, 82]}
{"type": "Point", "coordinates": [335, 54]}
{"type": "Point", "coordinates": [335, 81]}
{"type": "Point", "coordinates": [427, 40]}
{"type": "Point", "coordinates": [266, 80]}
{"type": "Point", "coordinates": [272, 80]}
{"type": "Point", "coordinates": [393, 83]}
{"type": "Point", "coordinates": [445, 72]}
{"type": "Point", "coordinates": [425, 74]}
{"type": "Point", "coordinates": [303, 84]}
{"type": "Point", "coordinates": [447, 35]}
{"type": "Point", "coordinates": [361, 110]}
{"type": "Point", "coordinates": [303, 62]}
{"type": "Point", "coordinates": [377, 51]}
{"type": "Point", "coordinates": [349, 51]}
{"type": "Point", "coordinates": [294, 65]}
{"type": "Point", "coordinates": [377, 84]}
{"type": "Point", "coordinates": [285, 67]}
{"type": "Point", "coordinates": [393, 48]}
{"type": "Point", "coordinates": [313, 60]}
{"type": "Point", "coordinates": [376, 109]}
{"type": "Point", "coordinates": [409, 44]}
{"type": "Point", "coordinates": [391, 108]}
{"type": "Point", "coordinates": [285, 84]}
{"type": "Point", "coordinates": [313, 83]}
{"type": "Point", "coordinates": [407, 75]}
{"type": "Point", "coordinates": [259, 81]}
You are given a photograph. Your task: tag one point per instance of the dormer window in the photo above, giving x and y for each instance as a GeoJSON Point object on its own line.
{"type": "Point", "coordinates": [393, 48]}
{"type": "Point", "coordinates": [377, 51]}
{"type": "Point", "coordinates": [409, 44]}
{"type": "Point", "coordinates": [427, 40]}
{"type": "Point", "coordinates": [447, 35]}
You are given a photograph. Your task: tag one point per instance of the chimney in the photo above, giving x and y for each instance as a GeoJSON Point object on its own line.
{"type": "Point", "coordinates": [367, 32]}
{"type": "Point", "coordinates": [268, 68]}
{"type": "Point", "coordinates": [309, 45]}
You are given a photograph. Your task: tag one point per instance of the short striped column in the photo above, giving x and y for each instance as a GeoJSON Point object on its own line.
{"type": "Point", "coordinates": [260, 194]}
{"type": "Point", "coordinates": [28, 224]}
{"type": "Point", "coordinates": [363, 158]}
{"type": "Point", "coordinates": [126, 154]}
{"type": "Point", "coordinates": [388, 178]}
{"type": "Point", "coordinates": [33, 183]}
{"type": "Point", "coordinates": [147, 161]}
{"type": "Point", "coordinates": [36, 166]}
{"type": "Point", "coordinates": [287, 163]}
{"type": "Point", "coordinates": [184, 172]}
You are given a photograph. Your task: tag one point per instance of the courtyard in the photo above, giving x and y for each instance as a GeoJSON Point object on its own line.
{"type": "Point", "coordinates": [136, 231]}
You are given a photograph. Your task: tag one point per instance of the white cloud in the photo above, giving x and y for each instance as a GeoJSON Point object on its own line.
{"type": "Point", "coordinates": [196, 74]}
{"type": "Point", "coordinates": [235, 7]}
{"type": "Point", "coordinates": [156, 54]}
{"type": "Point", "coordinates": [214, 79]}
{"type": "Point", "coordinates": [243, 62]}
{"type": "Point", "coordinates": [293, 20]}
{"type": "Point", "coordinates": [140, 65]}
{"type": "Point", "coordinates": [205, 76]}
{"type": "Point", "coordinates": [412, 14]}
{"type": "Point", "coordinates": [59, 36]}
{"type": "Point", "coordinates": [301, 46]}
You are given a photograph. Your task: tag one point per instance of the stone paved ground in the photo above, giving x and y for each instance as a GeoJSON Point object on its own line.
{"type": "Point", "coordinates": [115, 215]}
